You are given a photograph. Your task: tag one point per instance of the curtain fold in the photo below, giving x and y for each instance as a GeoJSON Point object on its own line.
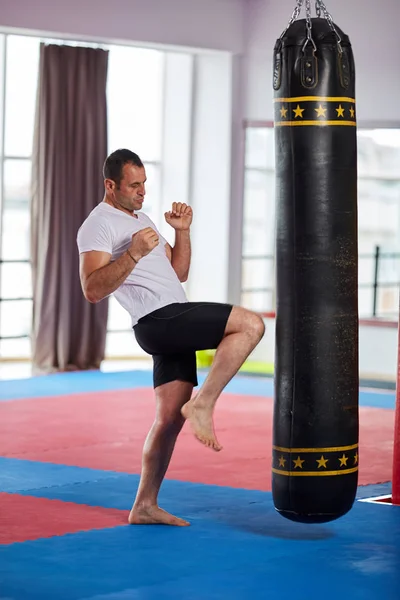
{"type": "Point", "coordinates": [70, 146]}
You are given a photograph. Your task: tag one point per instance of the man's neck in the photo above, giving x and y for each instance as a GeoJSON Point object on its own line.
{"type": "Point", "coordinates": [117, 207]}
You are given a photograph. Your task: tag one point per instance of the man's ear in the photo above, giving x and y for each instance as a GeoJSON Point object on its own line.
{"type": "Point", "coordinates": [109, 184]}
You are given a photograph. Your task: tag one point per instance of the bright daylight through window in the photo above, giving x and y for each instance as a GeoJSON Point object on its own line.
{"type": "Point", "coordinates": [134, 121]}
{"type": "Point", "coordinates": [378, 221]}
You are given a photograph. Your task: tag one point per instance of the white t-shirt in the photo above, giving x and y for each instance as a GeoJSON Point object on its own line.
{"type": "Point", "coordinates": [153, 282]}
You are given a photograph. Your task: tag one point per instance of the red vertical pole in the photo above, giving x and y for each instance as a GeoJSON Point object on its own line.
{"type": "Point", "coordinates": [396, 454]}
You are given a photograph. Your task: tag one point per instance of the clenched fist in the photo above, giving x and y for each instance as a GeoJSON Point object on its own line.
{"type": "Point", "coordinates": [180, 217]}
{"type": "Point", "coordinates": [143, 242]}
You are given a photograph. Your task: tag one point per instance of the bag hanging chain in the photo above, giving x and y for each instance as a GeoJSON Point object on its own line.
{"type": "Point", "coordinates": [319, 8]}
{"type": "Point", "coordinates": [295, 15]}
{"type": "Point", "coordinates": [328, 17]}
{"type": "Point", "coordinates": [309, 39]}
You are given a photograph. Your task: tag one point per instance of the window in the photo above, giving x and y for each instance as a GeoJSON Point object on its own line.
{"type": "Point", "coordinates": [20, 58]}
{"type": "Point", "coordinates": [135, 121]}
{"type": "Point", "coordinates": [259, 220]}
{"type": "Point", "coordinates": [378, 221]}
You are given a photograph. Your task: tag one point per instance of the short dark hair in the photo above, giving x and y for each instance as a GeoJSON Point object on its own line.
{"type": "Point", "coordinates": [116, 161]}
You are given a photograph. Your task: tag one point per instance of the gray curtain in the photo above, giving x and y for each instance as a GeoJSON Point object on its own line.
{"type": "Point", "coordinates": [70, 146]}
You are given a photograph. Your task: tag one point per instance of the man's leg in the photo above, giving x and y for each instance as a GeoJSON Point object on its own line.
{"type": "Point", "coordinates": [243, 332]}
{"type": "Point", "coordinates": [157, 452]}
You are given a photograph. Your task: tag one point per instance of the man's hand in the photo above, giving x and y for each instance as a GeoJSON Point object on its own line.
{"type": "Point", "coordinates": [143, 242]}
{"type": "Point", "coordinates": [180, 217]}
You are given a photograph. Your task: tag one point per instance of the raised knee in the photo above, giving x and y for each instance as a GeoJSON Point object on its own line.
{"type": "Point", "coordinates": [257, 326]}
{"type": "Point", "coordinates": [243, 320]}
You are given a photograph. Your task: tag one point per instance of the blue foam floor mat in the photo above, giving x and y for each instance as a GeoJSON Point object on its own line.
{"type": "Point", "coordinates": [94, 486]}
{"type": "Point", "coordinates": [97, 381]}
{"type": "Point", "coordinates": [19, 475]}
{"type": "Point", "coordinates": [238, 547]}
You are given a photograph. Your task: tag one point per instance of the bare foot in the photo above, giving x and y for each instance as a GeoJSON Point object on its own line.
{"type": "Point", "coordinates": [201, 421]}
{"type": "Point", "coordinates": [153, 515]}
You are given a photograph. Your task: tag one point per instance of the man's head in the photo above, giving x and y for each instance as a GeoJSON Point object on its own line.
{"type": "Point", "coordinates": [124, 180]}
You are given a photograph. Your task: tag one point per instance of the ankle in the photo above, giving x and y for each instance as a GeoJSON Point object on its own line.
{"type": "Point", "coordinates": [203, 403]}
{"type": "Point", "coordinates": [144, 504]}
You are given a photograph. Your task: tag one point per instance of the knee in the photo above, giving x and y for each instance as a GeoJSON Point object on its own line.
{"type": "Point", "coordinates": [246, 321]}
{"type": "Point", "coordinates": [169, 423]}
{"type": "Point", "coordinates": [256, 326]}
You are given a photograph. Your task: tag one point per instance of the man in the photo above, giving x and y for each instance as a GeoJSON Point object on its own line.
{"type": "Point", "coordinates": [122, 253]}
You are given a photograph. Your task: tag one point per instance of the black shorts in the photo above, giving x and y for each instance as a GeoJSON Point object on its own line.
{"type": "Point", "coordinates": [174, 333]}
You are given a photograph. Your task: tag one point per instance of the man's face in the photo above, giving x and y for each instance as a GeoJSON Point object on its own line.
{"type": "Point", "coordinates": [131, 191]}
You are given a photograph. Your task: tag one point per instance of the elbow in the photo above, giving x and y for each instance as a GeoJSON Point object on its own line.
{"type": "Point", "coordinates": [91, 299]}
{"type": "Point", "coordinates": [180, 273]}
{"type": "Point", "coordinates": [90, 295]}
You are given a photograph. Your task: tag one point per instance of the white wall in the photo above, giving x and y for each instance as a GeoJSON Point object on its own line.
{"type": "Point", "coordinates": [373, 28]}
{"type": "Point", "coordinates": [213, 24]}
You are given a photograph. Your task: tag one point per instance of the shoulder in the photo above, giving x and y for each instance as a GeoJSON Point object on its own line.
{"type": "Point", "coordinates": [98, 217]}
{"type": "Point", "coordinates": [97, 225]}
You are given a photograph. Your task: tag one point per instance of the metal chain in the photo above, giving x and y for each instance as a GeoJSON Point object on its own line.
{"type": "Point", "coordinates": [319, 7]}
{"type": "Point", "coordinates": [328, 17]}
{"type": "Point", "coordinates": [295, 15]}
{"type": "Point", "coordinates": [309, 39]}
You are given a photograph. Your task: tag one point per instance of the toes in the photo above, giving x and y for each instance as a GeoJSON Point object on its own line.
{"type": "Point", "coordinates": [217, 446]}
{"type": "Point", "coordinates": [203, 440]}
{"type": "Point", "coordinates": [180, 522]}
{"type": "Point", "coordinates": [209, 443]}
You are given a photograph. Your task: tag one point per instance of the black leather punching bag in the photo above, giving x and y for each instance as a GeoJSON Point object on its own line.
{"type": "Point", "coordinates": [315, 437]}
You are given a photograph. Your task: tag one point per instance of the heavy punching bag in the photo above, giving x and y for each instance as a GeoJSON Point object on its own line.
{"type": "Point", "coordinates": [315, 429]}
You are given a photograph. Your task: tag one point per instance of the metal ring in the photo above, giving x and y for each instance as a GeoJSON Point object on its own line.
{"type": "Point", "coordinates": [312, 42]}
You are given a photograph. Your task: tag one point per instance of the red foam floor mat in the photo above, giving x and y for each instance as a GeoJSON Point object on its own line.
{"type": "Point", "coordinates": [24, 518]}
{"type": "Point", "coordinates": [106, 431]}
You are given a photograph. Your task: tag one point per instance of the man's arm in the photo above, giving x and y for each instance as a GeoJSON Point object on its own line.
{"type": "Point", "coordinates": [100, 277]}
{"type": "Point", "coordinates": [180, 254]}
{"type": "Point", "coordinates": [180, 218]}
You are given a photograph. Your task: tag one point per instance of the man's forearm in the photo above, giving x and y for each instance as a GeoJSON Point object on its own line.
{"type": "Point", "coordinates": [105, 281]}
{"type": "Point", "coordinates": [181, 254]}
